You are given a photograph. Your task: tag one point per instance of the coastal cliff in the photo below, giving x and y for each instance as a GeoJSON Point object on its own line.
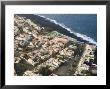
{"type": "Point", "coordinates": [46, 49]}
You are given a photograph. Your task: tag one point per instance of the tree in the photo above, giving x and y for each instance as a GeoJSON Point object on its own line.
{"type": "Point", "coordinates": [44, 71]}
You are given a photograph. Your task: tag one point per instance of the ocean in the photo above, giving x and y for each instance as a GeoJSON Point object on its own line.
{"type": "Point", "coordinates": [82, 25]}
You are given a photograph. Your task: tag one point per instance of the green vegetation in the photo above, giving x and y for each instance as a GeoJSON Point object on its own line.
{"type": "Point", "coordinates": [20, 68]}
{"type": "Point", "coordinates": [25, 49]}
{"type": "Point", "coordinates": [87, 72]}
{"type": "Point", "coordinates": [20, 30]}
{"type": "Point", "coordinates": [79, 50]}
{"type": "Point", "coordinates": [46, 30]}
{"type": "Point", "coordinates": [45, 49]}
{"type": "Point", "coordinates": [44, 71]}
{"type": "Point", "coordinates": [74, 64]}
{"type": "Point", "coordinates": [26, 56]}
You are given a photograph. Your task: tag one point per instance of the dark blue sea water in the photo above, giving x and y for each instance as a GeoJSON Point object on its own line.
{"type": "Point", "coordinates": [85, 25]}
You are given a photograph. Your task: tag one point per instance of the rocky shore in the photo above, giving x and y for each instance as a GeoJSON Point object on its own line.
{"type": "Point", "coordinates": [41, 50]}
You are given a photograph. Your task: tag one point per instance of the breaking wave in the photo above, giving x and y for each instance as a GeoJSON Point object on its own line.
{"type": "Point", "coordinates": [84, 37]}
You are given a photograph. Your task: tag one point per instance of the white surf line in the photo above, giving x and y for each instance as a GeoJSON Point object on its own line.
{"type": "Point", "coordinates": [84, 37]}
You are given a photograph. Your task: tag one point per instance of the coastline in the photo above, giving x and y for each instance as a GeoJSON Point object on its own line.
{"type": "Point", "coordinates": [39, 47]}
{"type": "Point", "coordinates": [45, 22]}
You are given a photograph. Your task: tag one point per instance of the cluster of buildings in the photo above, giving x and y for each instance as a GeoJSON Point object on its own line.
{"type": "Point", "coordinates": [35, 49]}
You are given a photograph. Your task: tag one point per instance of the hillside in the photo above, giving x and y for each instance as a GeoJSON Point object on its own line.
{"type": "Point", "coordinates": [42, 50]}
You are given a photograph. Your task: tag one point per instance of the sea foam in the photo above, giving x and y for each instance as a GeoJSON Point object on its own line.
{"type": "Point", "coordinates": [84, 37]}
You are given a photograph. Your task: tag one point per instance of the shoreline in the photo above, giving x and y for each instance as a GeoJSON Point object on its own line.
{"type": "Point", "coordinates": [46, 23]}
{"type": "Point", "coordinates": [39, 48]}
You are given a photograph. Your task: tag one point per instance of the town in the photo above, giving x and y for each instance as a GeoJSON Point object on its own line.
{"type": "Point", "coordinates": [43, 51]}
